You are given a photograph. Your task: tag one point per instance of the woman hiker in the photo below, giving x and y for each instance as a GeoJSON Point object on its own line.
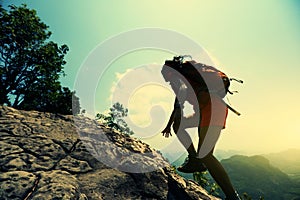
{"type": "Point", "coordinates": [209, 116]}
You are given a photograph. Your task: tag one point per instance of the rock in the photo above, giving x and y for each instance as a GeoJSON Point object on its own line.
{"type": "Point", "coordinates": [74, 166]}
{"type": "Point", "coordinates": [56, 184]}
{"type": "Point", "coordinates": [16, 184]}
{"type": "Point", "coordinates": [180, 188]}
{"type": "Point", "coordinates": [50, 156]}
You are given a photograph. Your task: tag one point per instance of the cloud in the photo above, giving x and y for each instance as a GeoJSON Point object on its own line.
{"type": "Point", "coordinates": [144, 92]}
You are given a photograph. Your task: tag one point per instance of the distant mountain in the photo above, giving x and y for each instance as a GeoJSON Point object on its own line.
{"type": "Point", "coordinates": [224, 154]}
{"type": "Point", "coordinates": [287, 161]}
{"type": "Point", "coordinates": [257, 177]}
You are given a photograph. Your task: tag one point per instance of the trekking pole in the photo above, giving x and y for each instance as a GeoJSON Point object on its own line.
{"type": "Point", "coordinates": [232, 109]}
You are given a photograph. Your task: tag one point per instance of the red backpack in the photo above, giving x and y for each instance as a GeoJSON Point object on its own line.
{"type": "Point", "coordinates": [203, 77]}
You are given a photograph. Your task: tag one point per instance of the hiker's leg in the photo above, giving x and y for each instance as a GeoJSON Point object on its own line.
{"type": "Point", "coordinates": [208, 137]}
{"type": "Point", "coordinates": [179, 126]}
{"type": "Point", "coordinates": [191, 163]}
{"type": "Point", "coordinates": [183, 136]}
{"type": "Point", "coordinates": [219, 174]}
{"type": "Point", "coordinates": [213, 165]}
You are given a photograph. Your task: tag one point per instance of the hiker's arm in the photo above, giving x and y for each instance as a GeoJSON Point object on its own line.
{"type": "Point", "coordinates": [167, 131]}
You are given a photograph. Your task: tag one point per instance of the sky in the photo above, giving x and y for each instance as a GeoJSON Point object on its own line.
{"type": "Point", "coordinates": [256, 41]}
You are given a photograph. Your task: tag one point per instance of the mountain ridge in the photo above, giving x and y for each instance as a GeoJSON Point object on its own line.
{"type": "Point", "coordinates": [256, 176]}
{"type": "Point", "coordinates": [288, 161]}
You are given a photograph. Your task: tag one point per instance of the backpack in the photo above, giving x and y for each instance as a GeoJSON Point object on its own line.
{"type": "Point", "coordinates": [203, 77]}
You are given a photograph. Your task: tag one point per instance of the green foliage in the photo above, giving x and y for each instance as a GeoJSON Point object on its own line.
{"type": "Point", "coordinates": [31, 65]}
{"type": "Point", "coordinates": [115, 119]}
{"type": "Point", "coordinates": [203, 180]}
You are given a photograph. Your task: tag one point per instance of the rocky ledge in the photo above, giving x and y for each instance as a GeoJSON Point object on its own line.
{"type": "Point", "coordinates": [50, 156]}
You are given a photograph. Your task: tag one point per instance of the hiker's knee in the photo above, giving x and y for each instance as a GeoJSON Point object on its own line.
{"type": "Point", "coordinates": [207, 158]}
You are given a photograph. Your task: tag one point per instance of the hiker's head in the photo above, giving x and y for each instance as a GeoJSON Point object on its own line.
{"type": "Point", "coordinates": [167, 73]}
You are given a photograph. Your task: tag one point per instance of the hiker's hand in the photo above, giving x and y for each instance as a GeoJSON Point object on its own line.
{"type": "Point", "coordinates": [167, 132]}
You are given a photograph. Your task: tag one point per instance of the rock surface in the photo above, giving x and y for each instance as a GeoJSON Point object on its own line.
{"type": "Point", "coordinates": [48, 156]}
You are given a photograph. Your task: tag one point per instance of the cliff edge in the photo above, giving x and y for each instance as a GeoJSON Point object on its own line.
{"type": "Point", "coordinates": [49, 156]}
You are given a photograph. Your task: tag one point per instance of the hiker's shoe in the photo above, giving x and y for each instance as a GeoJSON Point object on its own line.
{"type": "Point", "coordinates": [191, 165]}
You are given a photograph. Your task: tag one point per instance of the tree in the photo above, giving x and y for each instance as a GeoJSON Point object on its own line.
{"type": "Point", "coordinates": [31, 65]}
{"type": "Point", "coordinates": [115, 120]}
